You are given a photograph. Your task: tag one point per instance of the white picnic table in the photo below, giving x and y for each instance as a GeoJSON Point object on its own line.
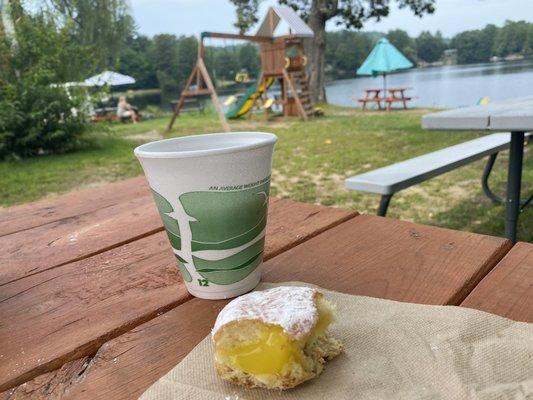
{"type": "Point", "coordinates": [515, 116]}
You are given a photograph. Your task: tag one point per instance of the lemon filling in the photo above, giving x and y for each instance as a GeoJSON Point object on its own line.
{"type": "Point", "coordinates": [271, 350]}
{"type": "Point", "coordinates": [267, 356]}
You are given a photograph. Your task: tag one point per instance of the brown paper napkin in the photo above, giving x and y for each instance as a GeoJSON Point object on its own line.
{"type": "Point", "coordinates": [393, 350]}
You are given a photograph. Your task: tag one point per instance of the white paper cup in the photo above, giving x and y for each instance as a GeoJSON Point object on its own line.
{"type": "Point", "coordinates": [212, 195]}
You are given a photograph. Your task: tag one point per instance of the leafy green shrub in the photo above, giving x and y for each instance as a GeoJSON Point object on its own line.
{"type": "Point", "coordinates": [37, 118]}
{"type": "Point", "coordinates": [38, 115]}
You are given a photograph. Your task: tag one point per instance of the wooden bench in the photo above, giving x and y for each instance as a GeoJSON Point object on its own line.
{"type": "Point", "coordinates": [403, 100]}
{"type": "Point", "coordinates": [397, 95]}
{"type": "Point", "coordinates": [190, 104]}
{"type": "Point", "coordinates": [109, 114]}
{"type": "Point", "coordinates": [371, 96]}
{"type": "Point", "coordinates": [391, 179]}
{"type": "Point", "coordinates": [376, 100]}
{"type": "Point", "coordinates": [93, 298]}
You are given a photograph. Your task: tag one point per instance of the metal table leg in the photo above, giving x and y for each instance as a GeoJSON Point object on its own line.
{"type": "Point", "coordinates": [514, 179]}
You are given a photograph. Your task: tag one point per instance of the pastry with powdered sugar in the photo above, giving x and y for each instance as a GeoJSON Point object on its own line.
{"type": "Point", "coordinates": [275, 339]}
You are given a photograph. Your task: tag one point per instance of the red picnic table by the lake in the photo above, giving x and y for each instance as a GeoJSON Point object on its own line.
{"type": "Point", "coordinates": [93, 307]}
{"type": "Point", "coordinates": [395, 95]}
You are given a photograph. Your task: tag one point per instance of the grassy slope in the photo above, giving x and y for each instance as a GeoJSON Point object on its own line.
{"type": "Point", "coordinates": [310, 164]}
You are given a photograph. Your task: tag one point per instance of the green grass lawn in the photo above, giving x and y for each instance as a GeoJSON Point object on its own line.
{"type": "Point", "coordinates": [310, 164]}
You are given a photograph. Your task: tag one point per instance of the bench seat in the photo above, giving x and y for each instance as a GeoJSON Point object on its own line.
{"type": "Point", "coordinates": [189, 104]}
{"type": "Point", "coordinates": [394, 99]}
{"type": "Point", "coordinates": [393, 178]}
{"type": "Point", "coordinates": [374, 99]}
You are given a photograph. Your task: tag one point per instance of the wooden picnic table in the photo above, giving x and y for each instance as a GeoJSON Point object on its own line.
{"type": "Point", "coordinates": [395, 94]}
{"type": "Point", "coordinates": [371, 95]}
{"type": "Point", "coordinates": [93, 307]}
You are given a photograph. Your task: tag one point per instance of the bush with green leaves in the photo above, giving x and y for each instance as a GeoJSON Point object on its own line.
{"type": "Point", "coordinates": [37, 118]}
{"type": "Point", "coordinates": [39, 115]}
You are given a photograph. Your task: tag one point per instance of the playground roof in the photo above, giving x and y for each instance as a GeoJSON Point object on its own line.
{"type": "Point", "coordinates": [276, 14]}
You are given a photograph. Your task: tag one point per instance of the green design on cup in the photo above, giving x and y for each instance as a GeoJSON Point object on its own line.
{"type": "Point", "coordinates": [171, 225]}
{"type": "Point", "coordinates": [184, 272]}
{"type": "Point", "coordinates": [231, 269]}
{"type": "Point", "coordinates": [230, 221]}
{"type": "Point", "coordinates": [225, 220]}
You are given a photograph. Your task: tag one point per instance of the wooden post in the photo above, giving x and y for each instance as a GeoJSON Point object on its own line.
{"type": "Point", "coordinates": [216, 102]}
{"type": "Point", "coordinates": [295, 95]}
{"type": "Point", "coordinates": [182, 97]}
{"type": "Point", "coordinates": [202, 76]}
{"type": "Point", "coordinates": [200, 57]}
{"type": "Point", "coordinates": [284, 98]}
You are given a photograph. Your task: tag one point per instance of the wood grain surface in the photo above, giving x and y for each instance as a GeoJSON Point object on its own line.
{"type": "Point", "coordinates": [73, 204]}
{"type": "Point", "coordinates": [391, 259]}
{"type": "Point", "coordinates": [57, 314]}
{"type": "Point", "coordinates": [365, 255]}
{"type": "Point", "coordinates": [47, 246]}
{"type": "Point", "coordinates": [507, 290]}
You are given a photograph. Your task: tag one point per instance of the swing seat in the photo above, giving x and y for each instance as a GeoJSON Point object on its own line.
{"type": "Point", "coordinates": [230, 100]}
{"type": "Point", "coordinates": [268, 103]}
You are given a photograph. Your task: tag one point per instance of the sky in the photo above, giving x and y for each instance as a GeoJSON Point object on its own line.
{"type": "Point", "coordinates": [186, 17]}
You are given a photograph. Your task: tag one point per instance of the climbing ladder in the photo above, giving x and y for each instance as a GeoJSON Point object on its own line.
{"type": "Point", "coordinates": [295, 82]}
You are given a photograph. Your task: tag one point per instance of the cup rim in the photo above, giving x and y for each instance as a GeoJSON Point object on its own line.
{"type": "Point", "coordinates": [263, 139]}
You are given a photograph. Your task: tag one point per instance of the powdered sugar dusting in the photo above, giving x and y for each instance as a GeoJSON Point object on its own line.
{"type": "Point", "coordinates": [291, 307]}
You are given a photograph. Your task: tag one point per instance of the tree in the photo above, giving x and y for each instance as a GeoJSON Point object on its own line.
{"type": "Point", "coordinates": [403, 42]}
{"type": "Point", "coordinates": [527, 50]}
{"type": "Point", "coordinates": [136, 61]}
{"type": "Point", "coordinates": [512, 37]}
{"type": "Point", "coordinates": [475, 46]}
{"type": "Point", "coordinates": [249, 59]}
{"type": "Point", "coordinates": [187, 54]}
{"type": "Point", "coordinates": [165, 55]}
{"type": "Point", "coordinates": [226, 64]}
{"type": "Point", "coordinates": [346, 51]}
{"type": "Point", "coordinates": [430, 48]}
{"type": "Point", "coordinates": [104, 25]}
{"type": "Point", "coordinates": [349, 13]}
{"type": "Point", "coordinates": [36, 114]}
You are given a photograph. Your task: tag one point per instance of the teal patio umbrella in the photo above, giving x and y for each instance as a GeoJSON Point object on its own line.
{"type": "Point", "coordinates": [382, 60]}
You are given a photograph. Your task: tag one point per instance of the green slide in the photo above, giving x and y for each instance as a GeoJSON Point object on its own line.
{"type": "Point", "coordinates": [248, 99]}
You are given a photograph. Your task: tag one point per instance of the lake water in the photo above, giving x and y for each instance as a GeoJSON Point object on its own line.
{"type": "Point", "coordinates": [447, 86]}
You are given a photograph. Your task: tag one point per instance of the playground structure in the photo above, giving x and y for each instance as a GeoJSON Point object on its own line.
{"type": "Point", "coordinates": [282, 59]}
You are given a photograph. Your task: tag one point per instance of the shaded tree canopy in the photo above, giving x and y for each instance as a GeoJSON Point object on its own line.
{"type": "Point", "coordinates": [476, 45]}
{"type": "Point", "coordinates": [430, 47]}
{"type": "Point", "coordinates": [136, 60]}
{"type": "Point", "coordinates": [513, 37]}
{"type": "Point", "coordinates": [403, 42]}
{"type": "Point", "coordinates": [104, 25]}
{"type": "Point", "coordinates": [36, 114]}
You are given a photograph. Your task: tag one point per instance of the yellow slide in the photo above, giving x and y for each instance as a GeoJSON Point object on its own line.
{"type": "Point", "coordinates": [245, 104]}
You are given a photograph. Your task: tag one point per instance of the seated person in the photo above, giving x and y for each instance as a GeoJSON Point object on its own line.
{"type": "Point", "coordinates": [125, 110]}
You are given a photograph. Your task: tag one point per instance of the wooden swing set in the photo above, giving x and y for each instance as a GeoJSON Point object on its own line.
{"type": "Point", "coordinates": [282, 59]}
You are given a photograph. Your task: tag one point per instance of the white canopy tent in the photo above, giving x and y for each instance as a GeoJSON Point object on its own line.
{"type": "Point", "coordinates": [109, 78]}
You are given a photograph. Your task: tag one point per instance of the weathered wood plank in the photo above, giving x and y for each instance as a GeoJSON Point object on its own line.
{"type": "Point", "coordinates": [399, 260]}
{"type": "Point", "coordinates": [365, 255]}
{"type": "Point", "coordinates": [47, 246]}
{"type": "Point", "coordinates": [291, 223]}
{"type": "Point", "coordinates": [507, 290]}
{"type": "Point", "coordinates": [49, 386]}
{"type": "Point", "coordinates": [57, 243]}
{"type": "Point", "coordinates": [63, 313]}
{"type": "Point", "coordinates": [67, 312]}
{"type": "Point", "coordinates": [79, 202]}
